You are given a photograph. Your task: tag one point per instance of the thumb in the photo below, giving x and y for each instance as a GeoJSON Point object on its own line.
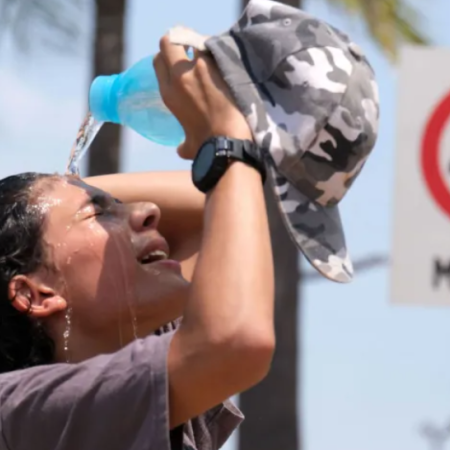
{"type": "Point", "coordinates": [185, 150]}
{"type": "Point", "coordinates": [190, 147]}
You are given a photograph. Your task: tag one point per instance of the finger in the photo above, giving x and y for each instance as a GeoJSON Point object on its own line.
{"type": "Point", "coordinates": [162, 72]}
{"type": "Point", "coordinates": [202, 54]}
{"type": "Point", "coordinates": [184, 150]}
{"type": "Point", "coordinates": [172, 53]}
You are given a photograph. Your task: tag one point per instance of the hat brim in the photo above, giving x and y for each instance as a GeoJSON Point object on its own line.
{"type": "Point", "coordinates": [315, 229]}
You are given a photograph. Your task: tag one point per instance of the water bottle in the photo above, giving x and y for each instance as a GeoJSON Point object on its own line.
{"type": "Point", "coordinates": [132, 98]}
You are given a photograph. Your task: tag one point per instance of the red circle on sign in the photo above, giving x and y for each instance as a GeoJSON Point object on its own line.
{"type": "Point", "coordinates": [430, 155]}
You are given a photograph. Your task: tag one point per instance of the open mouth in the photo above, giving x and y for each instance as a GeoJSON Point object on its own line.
{"type": "Point", "coordinates": [154, 256]}
{"type": "Point", "coordinates": [154, 251]}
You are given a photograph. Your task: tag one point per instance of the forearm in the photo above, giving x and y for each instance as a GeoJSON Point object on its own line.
{"type": "Point", "coordinates": [229, 314]}
{"type": "Point", "coordinates": [225, 342]}
{"type": "Point", "coordinates": [233, 282]}
{"type": "Point", "coordinates": [180, 202]}
{"type": "Point", "coordinates": [169, 190]}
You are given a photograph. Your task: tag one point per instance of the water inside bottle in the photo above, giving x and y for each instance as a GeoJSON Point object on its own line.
{"type": "Point", "coordinates": [147, 114]}
{"type": "Point", "coordinates": [86, 135]}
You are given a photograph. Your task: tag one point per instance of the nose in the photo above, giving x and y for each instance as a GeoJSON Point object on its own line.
{"type": "Point", "coordinates": [144, 217]}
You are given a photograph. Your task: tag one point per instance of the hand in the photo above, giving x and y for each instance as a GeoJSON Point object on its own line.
{"type": "Point", "coordinates": [199, 98]}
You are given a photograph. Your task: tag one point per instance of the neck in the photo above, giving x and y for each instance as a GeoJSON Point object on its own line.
{"type": "Point", "coordinates": [82, 345]}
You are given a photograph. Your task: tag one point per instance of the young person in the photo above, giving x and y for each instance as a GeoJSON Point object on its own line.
{"type": "Point", "coordinates": [78, 264]}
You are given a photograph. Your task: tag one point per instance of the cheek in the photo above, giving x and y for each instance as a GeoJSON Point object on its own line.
{"type": "Point", "coordinates": [98, 265]}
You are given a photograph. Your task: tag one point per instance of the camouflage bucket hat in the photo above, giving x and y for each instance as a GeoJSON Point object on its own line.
{"type": "Point", "coordinates": [310, 97]}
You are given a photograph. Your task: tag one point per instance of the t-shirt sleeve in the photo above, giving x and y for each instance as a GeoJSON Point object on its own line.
{"type": "Point", "coordinates": [111, 402]}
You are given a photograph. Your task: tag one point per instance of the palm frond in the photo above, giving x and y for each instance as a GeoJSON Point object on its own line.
{"type": "Point", "coordinates": [54, 23]}
{"type": "Point", "coordinates": [390, 22]}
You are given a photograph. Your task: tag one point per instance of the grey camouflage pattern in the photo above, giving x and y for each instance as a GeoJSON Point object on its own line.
{"type": "Point", "coordinates": [311, 99]}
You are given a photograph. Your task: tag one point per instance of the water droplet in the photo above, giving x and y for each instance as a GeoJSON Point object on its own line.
{"type": "Point", "coordinates": [135, 324]}
{"type": "Point", "coordinates": [129, 293]}
{"type": "Point", "coordinates": [67, 331]}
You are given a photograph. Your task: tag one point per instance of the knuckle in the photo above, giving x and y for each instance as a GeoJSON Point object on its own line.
{"type": "Point", "coordinates": [181, 76]}
{"type": "Point", "coordinates": [201, 66]}
{"type": "Point", "coordinates": [156, 60]}
{"type": "Point", "coordinates": [168, 101]}
{"type": "Point", "coordinates": [165, 95]}
{"type": "Point", "coordinates": [165, 92]}
{"type": "Point", "coordinates": [163, 42]}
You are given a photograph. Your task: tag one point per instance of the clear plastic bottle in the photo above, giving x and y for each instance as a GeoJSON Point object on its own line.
{"type": "Point", "coordinates": [132, 98]}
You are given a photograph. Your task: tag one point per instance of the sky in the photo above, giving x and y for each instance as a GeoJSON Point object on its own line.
{"type": "Point", "coordinates": [373, 372]}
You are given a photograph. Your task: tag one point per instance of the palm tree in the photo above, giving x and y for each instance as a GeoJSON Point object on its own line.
{"type": "Point", "coordinates": [271, 408]}
{"type": "Point", "coordinates": [108, 59]}
{"type": "Point", "coordinates": [55, 22]}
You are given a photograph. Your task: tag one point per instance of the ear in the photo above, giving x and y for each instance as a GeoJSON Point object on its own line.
{"type": "Point", "coordinates": [36, 299]}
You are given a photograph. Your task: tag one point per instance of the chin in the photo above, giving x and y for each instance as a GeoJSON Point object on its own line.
{"type": "Point", "coordinates": [164, 301]}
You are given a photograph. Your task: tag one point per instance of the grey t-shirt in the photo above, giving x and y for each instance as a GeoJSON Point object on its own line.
{"type": "Point", "coordinates": [110, 402]}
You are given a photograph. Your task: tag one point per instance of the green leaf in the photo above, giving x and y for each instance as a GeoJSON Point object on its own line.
{"type": "Point", "coordinates": [389, 22]}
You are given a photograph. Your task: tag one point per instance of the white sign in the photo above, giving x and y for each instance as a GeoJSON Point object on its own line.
{"type": "Point", "coordinates": [421, 240]}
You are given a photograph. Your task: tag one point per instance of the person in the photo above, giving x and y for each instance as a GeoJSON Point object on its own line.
{"type": "Point", "coordinates": [85, 267]}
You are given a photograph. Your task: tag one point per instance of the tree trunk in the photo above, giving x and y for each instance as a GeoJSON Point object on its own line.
{"type": "Point", "coordinates": [271, 408]}
{"type": "Point", "coordinates": [104, 156]}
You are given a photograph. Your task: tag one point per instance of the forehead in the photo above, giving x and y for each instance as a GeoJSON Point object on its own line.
{"type": "Point", "coordinates": [61, 196]}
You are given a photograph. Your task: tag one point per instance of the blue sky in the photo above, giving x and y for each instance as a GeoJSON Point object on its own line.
{"type": "Point", "coordinates": [372, 371]}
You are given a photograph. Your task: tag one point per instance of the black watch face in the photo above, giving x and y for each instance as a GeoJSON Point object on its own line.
{"type": "Point", "coordinates": [204, 161]}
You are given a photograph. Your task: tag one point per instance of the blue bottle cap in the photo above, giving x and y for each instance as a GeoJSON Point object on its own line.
{"type": "Point", "coordinates": [102, 103]}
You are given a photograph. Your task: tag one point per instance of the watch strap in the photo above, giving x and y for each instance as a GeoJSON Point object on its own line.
{"type": "Point", "coordinates": [225, 150]}
{"type": "Point", "coordinates": [245, 151]}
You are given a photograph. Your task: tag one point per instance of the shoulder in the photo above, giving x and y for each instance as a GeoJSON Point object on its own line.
{"type": "Point", "coordinates": [127, 389]}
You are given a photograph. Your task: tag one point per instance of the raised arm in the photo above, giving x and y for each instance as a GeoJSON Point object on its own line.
{"type": "Point", "coordinates": [226, 340]}
{"type": "Point", "coordinates": [180, 202]}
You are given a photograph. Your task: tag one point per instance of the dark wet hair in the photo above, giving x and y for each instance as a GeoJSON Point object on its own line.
{"type": "Point", "coordinates": [23, 341]}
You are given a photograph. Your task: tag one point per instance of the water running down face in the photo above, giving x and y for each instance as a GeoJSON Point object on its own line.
{"type": "Point", "coordinates": [103, 259]}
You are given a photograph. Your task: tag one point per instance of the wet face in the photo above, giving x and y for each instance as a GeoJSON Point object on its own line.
{"type": "Point", "coordinates": [108, 260]}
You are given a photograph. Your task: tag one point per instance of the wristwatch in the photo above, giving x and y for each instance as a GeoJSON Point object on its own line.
{"type": "Point", "coordinates": [215, 156]}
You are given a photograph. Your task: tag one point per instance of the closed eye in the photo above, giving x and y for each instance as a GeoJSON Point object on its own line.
{"type": "Point", "coordinates": [100, 200]}
{"type": "Point", "coordinates": [103, 204]}
{"type": "Point", "coordinates": [98, 210]}
{"type": "Point", "coordinates": [100, 204]}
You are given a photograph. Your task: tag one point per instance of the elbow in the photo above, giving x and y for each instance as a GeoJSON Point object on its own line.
{"type": "Point", "coordinates": [246, 359]}
{"type": "Point", "coordinates": [256, 358]}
